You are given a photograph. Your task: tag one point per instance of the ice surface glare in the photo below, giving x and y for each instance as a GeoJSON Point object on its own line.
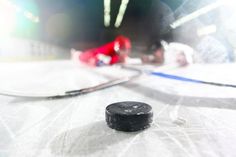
{"type": "Point", "coordinates": [229, 3]}
{"type": "Point", "coordinates": [228, 12]}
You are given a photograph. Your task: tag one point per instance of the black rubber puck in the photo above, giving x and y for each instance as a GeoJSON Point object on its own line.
{"type": "Point", "coordinates": [129, 116]}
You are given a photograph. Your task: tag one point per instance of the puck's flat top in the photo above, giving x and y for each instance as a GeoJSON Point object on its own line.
{"type": "Point", "coordinates": [129, 108]}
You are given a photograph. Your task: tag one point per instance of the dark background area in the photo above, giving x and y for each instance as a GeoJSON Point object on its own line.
{"type": "Point", "coordinates": [79, 23]}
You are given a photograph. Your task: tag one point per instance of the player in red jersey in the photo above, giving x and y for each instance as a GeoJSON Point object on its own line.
{"type": "Point", "coordinates": [111, 53]}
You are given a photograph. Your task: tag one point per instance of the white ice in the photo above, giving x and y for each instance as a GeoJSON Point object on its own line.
{"type": "Point", "coordinates": [189, 119]}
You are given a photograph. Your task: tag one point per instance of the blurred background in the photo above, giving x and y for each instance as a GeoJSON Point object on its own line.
{"type": "Point", "coordinates": [48, 29]}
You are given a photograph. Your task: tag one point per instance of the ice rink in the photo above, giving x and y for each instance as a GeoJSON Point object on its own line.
{"type": "Point", "coordinates": [190, 120]}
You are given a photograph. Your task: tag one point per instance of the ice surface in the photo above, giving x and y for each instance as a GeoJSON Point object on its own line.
{"type": "Point", "coordinates": [189, 119]}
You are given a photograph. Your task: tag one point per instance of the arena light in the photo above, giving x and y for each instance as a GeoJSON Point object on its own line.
{"type": "Point", "coordinates": [31, 17]}
{"type": "Point", "coordinates": [107, 10]}
{"type": "Point", "coordinates": [13, 7]}
{"type": "Point", "coordinates": [121, 13]}
{"type": "Point", "coordinates": [36, 19]}
{"type": "Point", "coordinates": [196, 14]}
{"type": "Point", "coordinates": [7, 20]}
{"type": "Point", "coordinates": [206, 30]}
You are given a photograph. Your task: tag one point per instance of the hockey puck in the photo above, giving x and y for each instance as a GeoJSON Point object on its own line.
{"type": "Point", "coordinates": [129, 116]}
